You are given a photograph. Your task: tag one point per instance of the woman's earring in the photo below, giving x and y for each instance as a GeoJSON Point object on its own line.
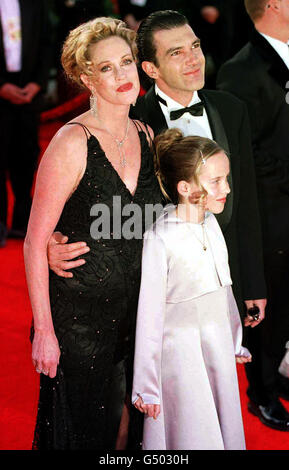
{"type": "Point", "coordinates": [93, 105]}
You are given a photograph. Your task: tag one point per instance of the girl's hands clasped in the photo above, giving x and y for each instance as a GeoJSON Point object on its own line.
{"type": "Point", "coordinates": [151, 410]}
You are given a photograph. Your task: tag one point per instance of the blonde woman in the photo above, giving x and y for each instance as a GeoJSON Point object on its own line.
{"type": "Point", "coordinates": [84, 325]}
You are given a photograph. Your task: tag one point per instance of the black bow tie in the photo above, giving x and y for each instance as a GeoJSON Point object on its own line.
{"type": "Point", "coordinates": [195, 110]}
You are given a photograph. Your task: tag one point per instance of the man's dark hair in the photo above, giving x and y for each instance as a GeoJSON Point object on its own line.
{"type": "Point", "coordinates": [156, 21]}
{"type": "Point", "coordinates": [255, 8]}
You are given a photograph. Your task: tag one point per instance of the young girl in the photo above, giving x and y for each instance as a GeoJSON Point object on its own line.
{"type": "Point", "coordinates": [188, 326]}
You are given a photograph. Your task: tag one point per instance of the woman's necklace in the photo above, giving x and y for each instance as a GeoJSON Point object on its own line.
{"type": "Point", "coordinates": [119, 143]}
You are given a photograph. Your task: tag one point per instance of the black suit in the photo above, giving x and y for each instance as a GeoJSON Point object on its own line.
{"type": "Point", "coordinates": [19, 123]}
{"type": "Point", "coordinates": [240, 219]}
{"type": "Point", "coordinates": [263, 88]}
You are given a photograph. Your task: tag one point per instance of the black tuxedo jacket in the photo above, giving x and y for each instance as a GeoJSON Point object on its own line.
{"type": "Point", "coordinates": [240, 220]}
{"type": "Point", "coordinates": [36, 44]}
{"type": "Point", "coordinates": [258, 76]}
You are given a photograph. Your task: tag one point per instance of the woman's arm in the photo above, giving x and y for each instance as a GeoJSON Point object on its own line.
{"type": "Point", "coordinates": [59, 172]}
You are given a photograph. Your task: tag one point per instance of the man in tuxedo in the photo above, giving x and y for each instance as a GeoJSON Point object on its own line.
{"type": "Point", "coordinates": [170, 54]}
{"type": "Point", "coordinates": [24, 67]}
{"type": "Point", "coordinates": [259, 74]}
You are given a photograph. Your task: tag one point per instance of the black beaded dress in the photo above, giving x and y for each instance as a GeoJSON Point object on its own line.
{"type": "Point", "coordinates": [94, 311]}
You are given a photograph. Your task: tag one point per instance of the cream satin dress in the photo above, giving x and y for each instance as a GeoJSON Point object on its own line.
{"type": "Point", "coordinates": [188, 334]}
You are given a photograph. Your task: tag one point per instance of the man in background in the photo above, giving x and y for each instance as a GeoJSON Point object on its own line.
{"type": "Point", "coordinates": [24, 68]}
{"type": "Point", "coordinates": [259, 75]}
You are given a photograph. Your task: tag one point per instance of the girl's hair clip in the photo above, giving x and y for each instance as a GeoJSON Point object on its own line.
{"type": "Point", "coordinates": [202, 157]}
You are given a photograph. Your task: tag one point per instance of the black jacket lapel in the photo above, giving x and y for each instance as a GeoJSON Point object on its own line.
{"type": "Point", "coordinates": [148, 110]}
{"type": "Point", "coordinates": [219, 135]}
{"type": "Point", "coordinates": [276, 66]}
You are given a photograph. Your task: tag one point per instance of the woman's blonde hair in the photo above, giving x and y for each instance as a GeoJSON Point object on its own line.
{"type": "Point", "coordinates": [75, 56]}
{"type": "Point", "coordinates": [179, 158]}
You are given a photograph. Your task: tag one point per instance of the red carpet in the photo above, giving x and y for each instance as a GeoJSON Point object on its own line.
{"type": "Point", "coordinates": [19, 381]}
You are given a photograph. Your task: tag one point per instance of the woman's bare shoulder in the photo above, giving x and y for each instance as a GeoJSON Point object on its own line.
{"type": "Point", "coordinates": [69, 140]}
{"type": "Point", "coordinates": [73, 131]}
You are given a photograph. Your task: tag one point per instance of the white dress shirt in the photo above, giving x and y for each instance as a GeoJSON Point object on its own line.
{"type": "Point", "coordinates": [11, 27]}
{"type": "Point", "coordinates": [188, 124]}
{"type": "Point", "coordinates": [282, 48]}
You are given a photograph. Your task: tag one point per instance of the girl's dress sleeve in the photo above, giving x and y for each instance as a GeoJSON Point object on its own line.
{"type": "Point", "coordinates": [236, 326]}
{"type": "Point", "coordinates": [150, 322]}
